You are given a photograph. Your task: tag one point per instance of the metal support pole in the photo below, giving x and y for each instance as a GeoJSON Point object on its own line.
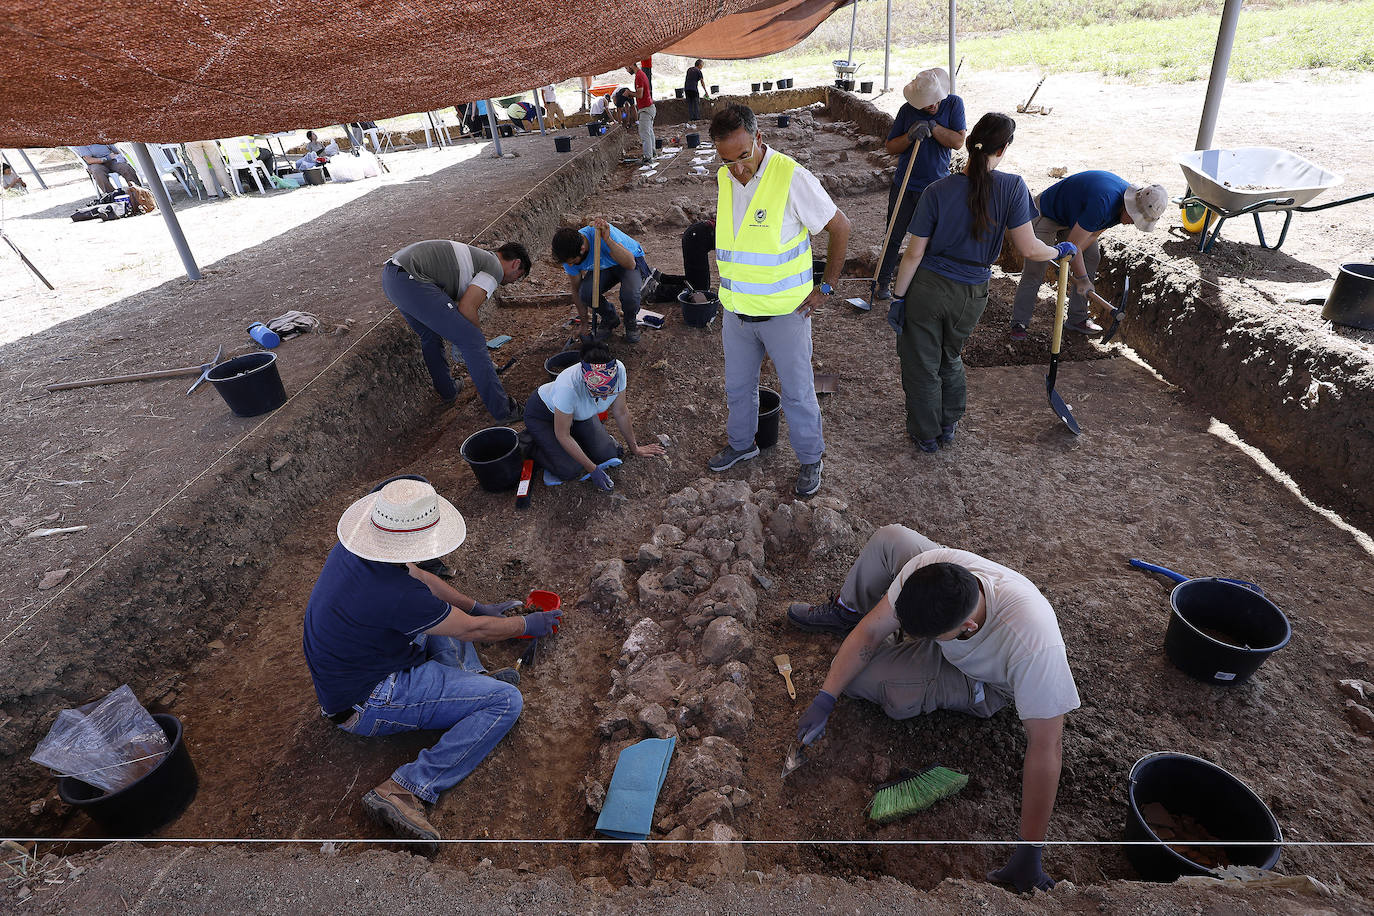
{"type": "Point", "coordinates": [25, 156]}
{"type": "Point", "coordinates": [952, 67]}
{"type": "Point", "coordinates": [853, 20]}
{"type": "Point", "coordinates": [164, 203]}
{"type": "Point", "coordinates": [495, 132]}
{"type": "Point", "coordinates": [1221, 62]}
{"type": "Point", "coordinates": [540, 112]}
{"type": "Point", "coordinates": [887, 44]}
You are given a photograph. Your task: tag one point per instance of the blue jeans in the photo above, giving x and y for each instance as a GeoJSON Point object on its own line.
{"type": "Point", "coordinates": [449, 691]}
{"type": "Point", "coordinates": [631, 285]}
{"type": "Point", "coordinates": [433, 316]}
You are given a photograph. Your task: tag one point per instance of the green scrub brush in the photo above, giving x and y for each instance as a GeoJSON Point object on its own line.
{"type": "Point", "coordinates": [914, 792]}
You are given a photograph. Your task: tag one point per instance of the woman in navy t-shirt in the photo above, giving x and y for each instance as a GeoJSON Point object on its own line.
{"type": "Point", "coordinates": [956, 234]}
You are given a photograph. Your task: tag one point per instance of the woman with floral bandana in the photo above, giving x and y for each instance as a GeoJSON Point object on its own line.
{"type": "Point", "coordinates": [564, 417]}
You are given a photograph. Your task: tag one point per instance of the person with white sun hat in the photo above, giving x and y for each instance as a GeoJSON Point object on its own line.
{"type": "Point", "coordinates": [389, 646]}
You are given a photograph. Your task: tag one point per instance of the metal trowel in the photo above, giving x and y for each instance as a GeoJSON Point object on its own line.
{"type": "Point", "coordinates": [795, 760]}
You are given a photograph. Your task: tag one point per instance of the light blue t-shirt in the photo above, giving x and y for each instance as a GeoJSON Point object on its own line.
{"type": "Point", "coordinates": [1092, 199]}
{"type": "Point", "coordinates": [607, 260]}
{"type": "Point", "coordinates": [98, 151]}
{"type": "Point", "coordinates": [568, 393]}
{"type": "Point", "coordinates": [943, 216]}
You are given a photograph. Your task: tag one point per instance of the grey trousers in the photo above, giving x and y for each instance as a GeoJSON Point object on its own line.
{"type": "Point", "coordinates": [911, 677]}
{"type": "Point", "coordinates": [101, 173]}
{"type": "Point", "coordinates": [646, 129]}
{"type": "Point", "coordinates": [1033, 274]}
{"type": "Point", "coordinates": [786, 339]}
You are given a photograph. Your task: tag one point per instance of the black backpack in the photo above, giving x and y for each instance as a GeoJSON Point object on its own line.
{"type": "Point", "coordinates": [106, 207]}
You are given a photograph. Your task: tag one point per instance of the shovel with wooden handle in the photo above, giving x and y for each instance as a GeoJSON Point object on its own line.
{"type": "Point", "coordinates": [1060, 310]}
{"type": "Point", "coordinates": [1118, 311]}
{"type": "Point", "coordinates": [901, 192]}
{"type": "Point", "coordinates": [202, 370]}
{"type": "Point", "coordinates": [596, 277]}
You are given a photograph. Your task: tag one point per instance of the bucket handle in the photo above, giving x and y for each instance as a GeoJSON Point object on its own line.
{"type": "Point", "coordinates": [1179, 577]}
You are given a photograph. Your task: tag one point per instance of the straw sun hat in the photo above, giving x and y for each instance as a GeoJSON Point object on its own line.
{"type": "Point", "coordinates": [403, 522]}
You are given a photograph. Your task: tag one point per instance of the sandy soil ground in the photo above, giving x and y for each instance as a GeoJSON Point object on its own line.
{"type": "Point", "coordinates": [1152, 477]}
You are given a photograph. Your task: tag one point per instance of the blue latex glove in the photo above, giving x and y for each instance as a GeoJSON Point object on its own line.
{"type": "Point", "coordinates": [1023, 871]}
{"type": "Point", "coordinates": [1065, 250]}
{"type": "Point", "coordinates": [896, 313]}
{"type": "Point", "coordinates": [496, 608]}
{"type": "Point", "coordinates": [919, 131]}
{"type": "Point", "coordinates": [602, 480]}
{"type": "Point", "coordinates": [542, 623]}
{"type": "Point", "coordinates": [812, 724]}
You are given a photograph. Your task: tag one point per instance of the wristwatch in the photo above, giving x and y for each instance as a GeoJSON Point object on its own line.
{"type": "Point", "coordinates": [827, 289]}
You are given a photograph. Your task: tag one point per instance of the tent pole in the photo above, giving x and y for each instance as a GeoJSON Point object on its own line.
{"type": "Point", "coordinates": [539, 111]}
{"type": "Point", "coordinates": [853, 20]}
{"type": "Point", "coordinates": [1221, 62]}
{"type": "Point", "coordinates": [25, 156]}
{"type": "Point", "coordinates": [951, 47]}
{"type": "Point", "coordinates": [495, 132]}
{"type": "Point", "coordinates": [164, 203]}
{"type": "Point", "coordinates": [887, 44]}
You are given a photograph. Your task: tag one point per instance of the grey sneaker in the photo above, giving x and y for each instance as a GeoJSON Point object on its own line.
{"type": "Point", "coordinates": [631, 333]}
{"type": "Point", "coordinates": [809, 478]}
{"type": "Point", "coordinates": [830, 617]}
{"type": "Point", "coordinates": [728, 457]}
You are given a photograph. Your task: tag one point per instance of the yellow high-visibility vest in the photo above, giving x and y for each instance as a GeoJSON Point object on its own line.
{"type": "Point", "coordinates": [760, 272]}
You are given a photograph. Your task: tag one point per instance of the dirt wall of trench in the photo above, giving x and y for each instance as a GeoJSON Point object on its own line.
{"type": "Point", "coordinates": [146, 614]}
{"type": "Point", "coordinates": [1309, 406]}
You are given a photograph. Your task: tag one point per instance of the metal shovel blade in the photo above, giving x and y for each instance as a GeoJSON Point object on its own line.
{"type": "Point", "coordinates": [1056, 402]}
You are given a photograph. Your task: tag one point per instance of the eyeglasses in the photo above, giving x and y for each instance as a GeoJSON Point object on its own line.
{"type": "Point", "coordinates": [744, 158]}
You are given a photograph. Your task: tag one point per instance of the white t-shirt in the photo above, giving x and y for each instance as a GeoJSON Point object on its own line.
{"type": "Point", "coordinates": [1018, 651]}
{"type": "Point", "coordinates": [807, 202]}
{"type": "Point", "coordinates": [550, 93]}
{"type": "Point", "coordinates": [568, 393]}
{"type": "Point", "coordinates": [598, 105]}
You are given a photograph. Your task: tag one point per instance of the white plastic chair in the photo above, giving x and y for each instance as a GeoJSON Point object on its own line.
{"type": "Point", "coordinates": [247, 152]}
{"type": "Point", "coordinates": [167, 157]}
{"type": "Point", "coordinates": [116, 180]}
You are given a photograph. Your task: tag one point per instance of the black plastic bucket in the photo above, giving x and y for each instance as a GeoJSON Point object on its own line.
{"type": "Point", "coordinates": [767, 86]}
{"type": "Point", "coordinates": [594, 128]}
{"type": "Point", "coordinates": [658, 143]}
{"type": "Point", "coordinates": [693, 141]}
{"type": "Point", "coordinates": [770, 412]}
{"type": "Point", "coordinates": [250, 384]}
{"type": "Point", "coordinates": [1221, 632]}
{"type": "Point", "coordinates": [848, 86]}
{"type": "Point", "coordinates": [698, 314]}
{"type": "Point", "coordinates": [562, 144]}
{"type": "Point", "coordinates": [1219, 802]}
{"type": "Point", "coordinates": [1351, 300]}
{"type": "Point", "coordinates": [559, 361]}
{"type": "Point", "coordinates": [156, 799]}
{"type": "Point", "coordinates": [715, 90]}
{"type": "Point", "coordinates": [494, 456]}
{"type": "Point", "coordinates": [866, 86]}
{"type": "Point", "coordinates": [784, 120]}
{"type": "Point", "coordinates": [681, 93]}
{"type": "Point", "coordinates": [755, 87]}
{"type": "Point", "coordinates": [314, 176]}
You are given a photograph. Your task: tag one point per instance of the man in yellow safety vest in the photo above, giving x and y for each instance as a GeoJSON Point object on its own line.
{"type": "Point", "coordinates": [768, 207]}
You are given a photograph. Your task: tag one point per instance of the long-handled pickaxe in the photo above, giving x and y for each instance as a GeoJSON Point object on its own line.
{"type": "Point", "coordinates": [202, 370]}
{"type": "Point", "coordinates": [1118, 311]}
{"type": "Point", "coordinates": [1060, 309]}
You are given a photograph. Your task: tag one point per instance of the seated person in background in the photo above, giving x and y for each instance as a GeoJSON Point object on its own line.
{"type": "Point", "coordinates": [564, 418]}
{"type": "Point", "coordinates": [103, 158]}
{"type": "Point", "coordinates": [311, 160]}
{"type": "Point", "coordinates": [598, 109]}
{"type": "Point", "coordinates": [312, 142]}
{"type": "Point", "coordinates": [11, 178]}
{"type": "Point", "coordinates": [390, 648]}
{"type": "Point", "coordinates": [622, 261]}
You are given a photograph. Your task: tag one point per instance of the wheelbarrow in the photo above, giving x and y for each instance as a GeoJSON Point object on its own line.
{"type": "Point", "coordinates": [1226, 183]}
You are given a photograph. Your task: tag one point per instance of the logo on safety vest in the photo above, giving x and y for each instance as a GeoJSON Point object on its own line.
{"type": "Point", "coordinates": [760, 215]}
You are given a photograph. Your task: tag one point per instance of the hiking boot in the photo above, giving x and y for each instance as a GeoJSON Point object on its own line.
{"type": "Point", "coordinates": [927, 445]}
{"type": "Point", "coordinates": [1087, 327]}
{"type": "Point", "coordinates": [831, 617]}
{"type": "Point", "coordinates": [1018, 331]}
{"type": "Point", "coordinates": [946, 436]}
{"type": "Point", "coordinates": [632, 333]}
{"type": "Point", "coordinates": [507, 675]}
{"type": "Point", "coordinates": [883, 292]}
{"type": "Point", "coordinates": [728, 457]}
{"type": "Point", "coordinates": [400, 811]}
{"type": "Point", "coordinates": [809, 478]}
{"type": "Point", "coordinates": [457, 390]}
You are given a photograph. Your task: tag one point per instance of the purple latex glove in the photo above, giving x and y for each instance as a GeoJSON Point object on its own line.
{"type": "Point", "coordinates": [1065, 250]}
{"type": "Point", "coordinates": [542, 623]}
{"type": "Point", "coordinates": [812, 724]}
{"type": "Point", "coordinates": [602, 480]}
{"type": "Point", "coordinates": [1023, 871]}
{"type": "Point", "coordinates": [496, 608]}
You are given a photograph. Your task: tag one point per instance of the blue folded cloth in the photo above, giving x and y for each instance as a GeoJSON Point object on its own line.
{"type": "Point", "coordinates": [628, 812]}
{"type": "Point", "coordinates": [552, 481]}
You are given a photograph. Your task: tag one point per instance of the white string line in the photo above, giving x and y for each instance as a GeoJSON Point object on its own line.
{"type": "Point", "coordinates": [485, 841]}
{"type": "Point", "coordinates": [113, 766]}
{"type": "Point", "coordinates": [270, 417]}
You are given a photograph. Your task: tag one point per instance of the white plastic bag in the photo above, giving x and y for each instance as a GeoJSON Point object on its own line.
{"type": "Point", "coordinates": [109, 744]}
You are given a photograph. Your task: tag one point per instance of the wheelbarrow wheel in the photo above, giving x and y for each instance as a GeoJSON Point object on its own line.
{"type": "Point", "coordinates": [1196, 218]}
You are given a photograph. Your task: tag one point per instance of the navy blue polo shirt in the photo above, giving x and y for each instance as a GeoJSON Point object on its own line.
{"type": "Point", "coordinates": [943, 216]}
{"type": "Point", "coordinates": [932, 157]}
{"type": "Point", "coordinates": [359, 626]}
{"type": "Point", "coordinates": [1093, 200]}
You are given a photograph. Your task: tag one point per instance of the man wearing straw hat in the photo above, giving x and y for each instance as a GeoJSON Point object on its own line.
{"type": "Point", "coordinates": [389, 647]}
{"type": "Point", "coordinates": [934, 119]}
